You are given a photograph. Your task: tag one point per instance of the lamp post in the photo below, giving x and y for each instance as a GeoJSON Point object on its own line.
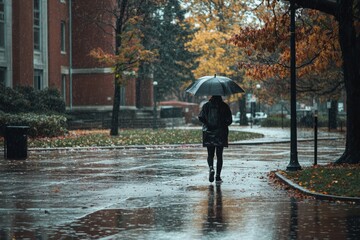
{"type": "Point", "coordinates": [328, 106]}
{"type": "Point", "coordinates": [155, 83]}
{"type": "Point", "coordinates": [258, 86]}
{"type": "Point", "coordinates": [294, 163]}
{"type": "Point", "coordinates": [315, 135]}
{"type": "Point", "coordinates": [282, 113]}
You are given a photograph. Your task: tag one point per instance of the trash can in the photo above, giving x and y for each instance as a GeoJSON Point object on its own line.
{"type": "Point", "coordinates": [15, 144]}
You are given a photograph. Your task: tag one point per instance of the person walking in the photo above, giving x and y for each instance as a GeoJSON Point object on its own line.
{"type": "Point", "coordinates": [216, 117]}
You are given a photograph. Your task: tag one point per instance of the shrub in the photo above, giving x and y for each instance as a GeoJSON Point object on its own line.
{"type": "Point", "coordinates": [11, 101]}
{"type": "Point", "coordinates": [275, 121]}
{"type": "Point", "coordinates": [24, 99]}
{"type": "Point", "coordinates": [43, 111]}
{"type": "Point", "coordinates": [40, 125]}
{"type": "Point", "coordinates": [52, 101]}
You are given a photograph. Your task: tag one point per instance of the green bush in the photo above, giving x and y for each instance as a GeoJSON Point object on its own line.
{"type": "Point", "coordinates": [323, 121]}
{"type": "Point", "coordinates": [41, 125]}
{"type": "Point", "coordinates": [42, 110]}
{"type": "Point", "coordinates": [11, 101]}
{"type": "Point", "coordinates": [52, 101]}
{"type": "Point", "coordinates": [24, 99]}
{"type": "Point", "coordinates": [275, 121]}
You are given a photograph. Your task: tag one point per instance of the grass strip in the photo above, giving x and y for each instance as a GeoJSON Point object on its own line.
{"type": "Point", "coordinates": [339, 180]}
{"type": "Point", "coordinates": [126, 137]}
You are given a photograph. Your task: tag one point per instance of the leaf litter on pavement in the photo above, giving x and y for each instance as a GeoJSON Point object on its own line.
{"type": "Point", "coordinates": [100, 138]}
{"type": "Point", "coordinates": [330, 179]}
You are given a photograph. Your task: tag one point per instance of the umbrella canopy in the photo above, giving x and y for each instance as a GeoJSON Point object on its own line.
{"type": "Point", "coordinates": [214, 85]}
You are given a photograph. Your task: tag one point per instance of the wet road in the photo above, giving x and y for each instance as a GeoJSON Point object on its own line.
{"type": "Point", "coordinates": [165, 194]}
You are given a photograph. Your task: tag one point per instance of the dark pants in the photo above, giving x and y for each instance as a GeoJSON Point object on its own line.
{"type": "Point", "coordinates": [219, 157]}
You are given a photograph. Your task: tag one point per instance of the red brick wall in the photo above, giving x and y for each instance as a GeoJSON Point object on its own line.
{"type": "Point", "coordinates": [88, 89]}
{"type": "Point", "coordinates": [87, 33]}
{"type": "Point", "coordinates": [146, 92]}
{"type": "Point", "coordinates": [22, 42]}
{"type": "Point", "coordinates": [130, 92]}
{"type": "Point", "coordinates": [102, 90]}
{"type": "Point", "coordinates": [93, 89]}
{"type": "Point", "coordinates": [57, 12]}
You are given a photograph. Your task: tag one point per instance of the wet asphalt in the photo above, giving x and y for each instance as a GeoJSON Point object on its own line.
{"type": "Point", "coordinates": [163, 192]}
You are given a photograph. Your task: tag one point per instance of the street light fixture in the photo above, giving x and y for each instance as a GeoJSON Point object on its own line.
{"type": "Point", "coordinates": [328, 106]}
{"type": "Point", "coordinates": [258, 86]}
{"type": "Point", "coordinates": [155, 83]}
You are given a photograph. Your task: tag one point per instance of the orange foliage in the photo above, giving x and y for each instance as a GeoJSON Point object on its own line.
{"type": "Point", "coordinates": [216, 21]}
{"type": "Point", "coordinates": [129, 54]}
{"type": "Point", "coordinates": [267, 47]}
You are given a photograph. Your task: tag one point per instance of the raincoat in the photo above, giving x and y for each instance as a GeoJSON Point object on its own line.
{"type": "Point", "coordinates": [215, 123]}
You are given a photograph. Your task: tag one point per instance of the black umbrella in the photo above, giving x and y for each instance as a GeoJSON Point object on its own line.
{"type": "Point", "coordinates": [214, 85]}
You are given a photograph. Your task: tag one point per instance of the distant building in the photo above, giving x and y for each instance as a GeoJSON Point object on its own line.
{"type": "Point", "coordinates": [46, 43]}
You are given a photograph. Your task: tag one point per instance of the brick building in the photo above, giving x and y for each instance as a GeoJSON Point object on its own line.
{"type": "Point", "coordinates": [46, 43]}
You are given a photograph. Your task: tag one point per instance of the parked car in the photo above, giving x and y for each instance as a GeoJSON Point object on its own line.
{"type": "Point", "coordinates": [259, 116]}
{"type": "Point", "coordinates": [236, 118]}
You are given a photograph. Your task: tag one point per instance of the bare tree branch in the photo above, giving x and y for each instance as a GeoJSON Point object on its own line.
{"type": "Point", "coordinates": [326, 6]}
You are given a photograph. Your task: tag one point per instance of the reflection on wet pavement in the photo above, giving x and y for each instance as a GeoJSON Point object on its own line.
{"type": "Point", "coordinates": [164, 194]}
{"type": "Point", "coordinates": [215, 220]}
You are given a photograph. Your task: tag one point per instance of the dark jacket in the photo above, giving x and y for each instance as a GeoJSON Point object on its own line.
{"type": "Point", "coordinates": [215, 127]}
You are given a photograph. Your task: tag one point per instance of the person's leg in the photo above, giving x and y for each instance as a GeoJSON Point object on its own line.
{"type": "Point", "coordinates": [219, 163]}
{"type": "Point", "coordinates": [210, 160]}
{"type": "Point", "coordinates": [210, 157]}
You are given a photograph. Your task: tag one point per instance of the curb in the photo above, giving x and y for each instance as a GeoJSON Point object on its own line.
{"type": "Point", "coordinates": [282, 141]}
{"type": "Point", "coordinates": [240, 143]}
{"type": "Point", "coordinates": [319, 196]}
{"type": "Point", "coordinates": [147, 147]}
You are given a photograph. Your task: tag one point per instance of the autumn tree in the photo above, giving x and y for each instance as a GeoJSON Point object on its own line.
{"type": "Point", "coordinates": [124, 18]}
{"type": "Point", "coordinates": [318, 54]}
{"type": "Point", "coordinates": [168, 33]}
{"type": "Point", "coordinates": [216, 21]}
{"type": "Point", "coordinates": [347, 14]}
{"type": "Point", "coordinates": [268, 53]}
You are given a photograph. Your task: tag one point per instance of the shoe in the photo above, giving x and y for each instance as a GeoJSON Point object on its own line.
{"type": "Point", "coordinates": [211, 175]}
{"type": "Point", "coordinates": [218, 179]}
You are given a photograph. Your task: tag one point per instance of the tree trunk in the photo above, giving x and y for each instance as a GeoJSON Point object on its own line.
{"type": "Point", "coordinates": [114, 131]}
{"type": "Point", "coordinates": [333, 114]}
{"type": "Point", "coordinates": [350, 46]}
{"type": "Point", "coordinates": [242, 109]}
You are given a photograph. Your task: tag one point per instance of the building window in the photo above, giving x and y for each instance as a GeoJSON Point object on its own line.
{"type": "Point", "coordinates": [2, 76]}
{"type": "Point", "coordinates": [38, 79]}
{"type": "Point", "coordinates": [63, 37]}
{"type": "Point", "coordinates": [37, 26]}
{"type": "Point", "coordinates": [63, 86]}
{"type": "Point", "coordinates": [2, 24]}
{"type": "Point", "coordinates": [122, 96]}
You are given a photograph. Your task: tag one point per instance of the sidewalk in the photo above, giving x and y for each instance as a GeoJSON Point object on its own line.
{"type": "Point", "coordinates": [163, 193]}
{"type": "Point", "coordinates": [280, 135]}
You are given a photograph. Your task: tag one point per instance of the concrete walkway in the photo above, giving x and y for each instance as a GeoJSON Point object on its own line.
{"type": "Point", "coordinates": [164, 193]}
{"type": "Point", "coordinates": [275, 135]}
